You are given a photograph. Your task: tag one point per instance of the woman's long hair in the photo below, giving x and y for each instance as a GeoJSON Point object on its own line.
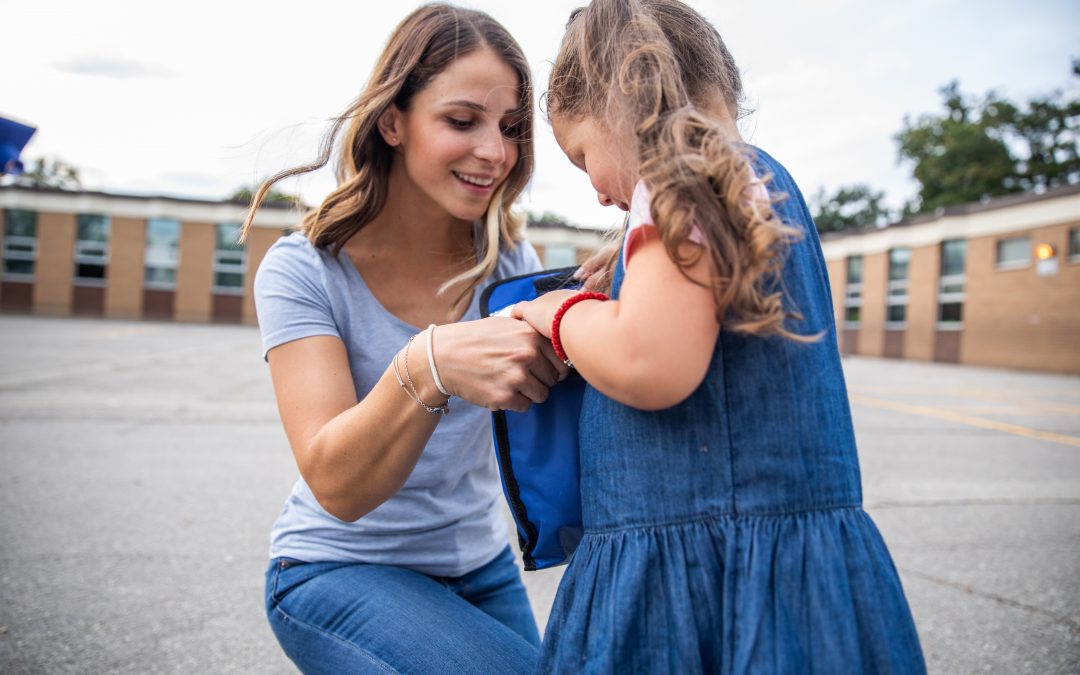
{"type": "Point", "coordinates": [653, 69]}
{"type": "Point", "coordinates": [423, 45]}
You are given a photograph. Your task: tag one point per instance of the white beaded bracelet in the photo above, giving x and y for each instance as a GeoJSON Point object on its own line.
{"type": "Point", "coordinates": [431, 360]}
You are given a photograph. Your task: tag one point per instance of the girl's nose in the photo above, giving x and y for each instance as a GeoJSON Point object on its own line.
{"type": "Point", "coordinates": [604, 199]}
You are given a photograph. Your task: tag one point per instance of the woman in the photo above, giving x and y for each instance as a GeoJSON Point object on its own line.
{"type": "Point", "coordinates": [390, 552]}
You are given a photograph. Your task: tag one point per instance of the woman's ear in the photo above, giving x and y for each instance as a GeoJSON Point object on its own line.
{"type": "Point", "coordinates": [390, 123]}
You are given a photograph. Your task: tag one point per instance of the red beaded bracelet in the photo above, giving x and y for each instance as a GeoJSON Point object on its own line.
{"type": "Point", "coordinates": [570, 302]}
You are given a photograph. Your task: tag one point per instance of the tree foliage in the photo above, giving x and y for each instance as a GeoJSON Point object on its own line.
{"type": "Point", "coordinates": [245, 194]}
{"type": "Point", "coordinates": [1050, 129]}
{"type": "Point", "coordinates": [850, 207]}
{"type": "Point", "coordinates": [990, 146]}
{"type": "Point", "coordinates": [50, 173]}
{"type": "Point", "coordinates": [548, 219]}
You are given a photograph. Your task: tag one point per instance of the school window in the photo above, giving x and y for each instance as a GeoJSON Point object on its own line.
{"type": "Point", "coordinates": [853, 291]}
{"type": "Point", "coordinates": [1014, 252]}
{"type": "Point", "coordinates": [20, 245]}
{"type": "Point", "coordinates": [559, 255]}
{"type": "Point", "coordinates": [91, 249]}
{"type": "Point", "coordinates": [951, 285]}
{"type": "Point", "coordinates": [229, 260]}
{"type": "Point", "coordinates": [1074, 245]}
{"type": "Point", "coordinates": [896, 298]}
{"type": "Point", "coordinates": [162, 253]}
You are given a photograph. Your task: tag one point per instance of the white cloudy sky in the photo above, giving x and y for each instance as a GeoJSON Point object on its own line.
{"type": "Point", "coordinates": [197, 98]}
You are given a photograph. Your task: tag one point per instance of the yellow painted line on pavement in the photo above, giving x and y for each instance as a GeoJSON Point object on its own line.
{"type": "Point", "coordinates": [1019, 410]}
{"type": "Point", "coordinates": [970, 420]}
{"type": "Point", "coordinates": [1014, 395]}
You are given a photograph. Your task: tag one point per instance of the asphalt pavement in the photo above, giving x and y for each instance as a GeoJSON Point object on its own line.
{"type": "Point", "coordinates": [142, 464]}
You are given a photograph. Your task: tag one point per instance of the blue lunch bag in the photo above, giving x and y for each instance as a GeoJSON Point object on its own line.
{"type": "Point", "coordinates": [538, 450]}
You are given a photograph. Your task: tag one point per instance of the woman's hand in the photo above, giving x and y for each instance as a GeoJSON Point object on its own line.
{"type": "Point", "coordinates": [539, 313]}
{"type": "Point", "coordinates": [498, 363]}
{"type": "Point", "coordinates": [595, 273]}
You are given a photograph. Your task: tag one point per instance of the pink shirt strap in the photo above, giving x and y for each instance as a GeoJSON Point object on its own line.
{"type": "Point", "coordinates": [640, 225]}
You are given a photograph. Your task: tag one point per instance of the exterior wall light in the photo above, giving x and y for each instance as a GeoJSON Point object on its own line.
{"type": "Point", "coordinates": [1046, 262]}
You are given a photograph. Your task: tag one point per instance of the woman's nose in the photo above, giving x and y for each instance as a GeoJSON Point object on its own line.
{"type": "Point", "coordinates": [604, 199]}
{"type": "Point", "coordinates": [492, 147]}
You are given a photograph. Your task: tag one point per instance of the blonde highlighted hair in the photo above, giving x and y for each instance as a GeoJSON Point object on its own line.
{"type": "Point", "coordinates": [423, 45]}
{"type": "Point", "coordinates": [654, 69]}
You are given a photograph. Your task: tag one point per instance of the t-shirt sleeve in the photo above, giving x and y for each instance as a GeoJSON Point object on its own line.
{"type": "Point", "coordinates": [640, 226]}
{"type": "Point", "coordinates": [291, 301]}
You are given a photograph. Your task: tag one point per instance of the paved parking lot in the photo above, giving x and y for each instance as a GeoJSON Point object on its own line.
{"type": "Point", "coordinates": [142, 464]}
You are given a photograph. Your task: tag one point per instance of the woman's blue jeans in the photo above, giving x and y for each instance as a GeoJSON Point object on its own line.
{"type": "Point", "coordinates": [332, 617]}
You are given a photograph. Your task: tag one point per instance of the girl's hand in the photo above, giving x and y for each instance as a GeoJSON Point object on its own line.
{"type": "Point", "coordinates": [539, 313]}
{"type": "Point", "coordinates": [497, 363]}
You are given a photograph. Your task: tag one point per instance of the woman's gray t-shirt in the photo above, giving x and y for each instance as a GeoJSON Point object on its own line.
{"type": "Point", "coordinates": [445, 520]}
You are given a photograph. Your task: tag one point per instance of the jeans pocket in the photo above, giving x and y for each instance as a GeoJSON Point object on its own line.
{"type": "Point", "coordinates": [275, 589]}
{"type": "Point", "coordinates": [286, 574]}
{"type": "Point", "coordinates": [273, 572]}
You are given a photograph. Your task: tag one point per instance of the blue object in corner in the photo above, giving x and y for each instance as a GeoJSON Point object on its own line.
{"type": "Point", "coordinates": [538, 450]}
{"type": "Point", "coordinates": [13, 137]}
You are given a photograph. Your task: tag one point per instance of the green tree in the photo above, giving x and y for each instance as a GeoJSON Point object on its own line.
{"type": "Point", "coordinates": [548, 219]}
{"type": "Point", "coordinates": [850, 207]}
{"type": "Point", "coordinates": [991, 146]}
{"type": "Point", "coordinates": [961, 156]}
{"type": "Point", "coordinates": [50, 173]}
{"type": "Point", "coordinates": [245, 194]}
{"type": "Point", "coordinates": [1050, 129]}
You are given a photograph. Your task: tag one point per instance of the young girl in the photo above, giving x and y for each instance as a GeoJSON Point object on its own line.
{"type": "Point", "coordinates": [390, 554]}
{"type": "Point", "coordinates": [720, 485]}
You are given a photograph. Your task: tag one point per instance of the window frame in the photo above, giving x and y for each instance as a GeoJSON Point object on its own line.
{"type": "Point", "coordinates": [853, 299]}
{"type": "Point", "coordinates": [28, 252]}
{"type": "Point", "coordinates": [1013, 264]}
{"type": "Point", "coordinates": [229, 261]}
{"type": "Point", "coordinates": [563, 250]}
{"type": "Point", "coordinates": [92, 252]}
{"type": "Point", "coordinates": [149, 261]}
{"type": "Point", "coordinates": [947, 296]}
{"type": "Point", "coordinates": [896, 290]}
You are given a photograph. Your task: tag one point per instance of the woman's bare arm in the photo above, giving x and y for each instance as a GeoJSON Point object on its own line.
{"type": "Point", "coordinates": [354, 455]}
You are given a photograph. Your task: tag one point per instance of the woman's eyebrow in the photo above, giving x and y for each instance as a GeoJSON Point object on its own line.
{"type": "Point", "coordinates": [472, 105]}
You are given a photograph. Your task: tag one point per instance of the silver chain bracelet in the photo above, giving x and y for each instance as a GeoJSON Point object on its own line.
{"type": "Point", "coordinates": [410, 390]}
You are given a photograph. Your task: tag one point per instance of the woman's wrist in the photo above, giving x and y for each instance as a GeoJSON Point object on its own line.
{"type": "Point", "coordinates": [430, 347]}
{"type": "Point", "coordinates": [421, 374]}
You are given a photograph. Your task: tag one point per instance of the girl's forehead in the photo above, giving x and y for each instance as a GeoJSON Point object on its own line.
{"type": "Point", "coordinates": [574, 130]}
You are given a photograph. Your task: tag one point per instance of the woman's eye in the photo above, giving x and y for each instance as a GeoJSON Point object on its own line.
{"type": "Point", "coordinates": [512, 131]}
{"type": "Point", "coordinates": [458, 123]}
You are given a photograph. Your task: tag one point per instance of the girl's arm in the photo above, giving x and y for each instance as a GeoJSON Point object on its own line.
{"type": "Point", "coordinates": [354, 455]}
{"type": "Point", "coordinates": [651, 348]}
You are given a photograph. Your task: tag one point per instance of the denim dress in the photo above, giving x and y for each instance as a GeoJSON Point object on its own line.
{"type": "Point", "coordinates": [726, 534]}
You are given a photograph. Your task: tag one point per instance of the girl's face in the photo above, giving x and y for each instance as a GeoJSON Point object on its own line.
{"type": "Point", "coordinates": [610, 161]}
{"type": "Point", "coordinates": [455, 142]}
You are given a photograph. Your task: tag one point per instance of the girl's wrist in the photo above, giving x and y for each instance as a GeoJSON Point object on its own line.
{"type": "Point", "coordinates": [560, 313]}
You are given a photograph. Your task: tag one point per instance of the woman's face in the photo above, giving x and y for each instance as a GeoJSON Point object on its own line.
{"type": "Point", "coordinates": [455, 142]}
